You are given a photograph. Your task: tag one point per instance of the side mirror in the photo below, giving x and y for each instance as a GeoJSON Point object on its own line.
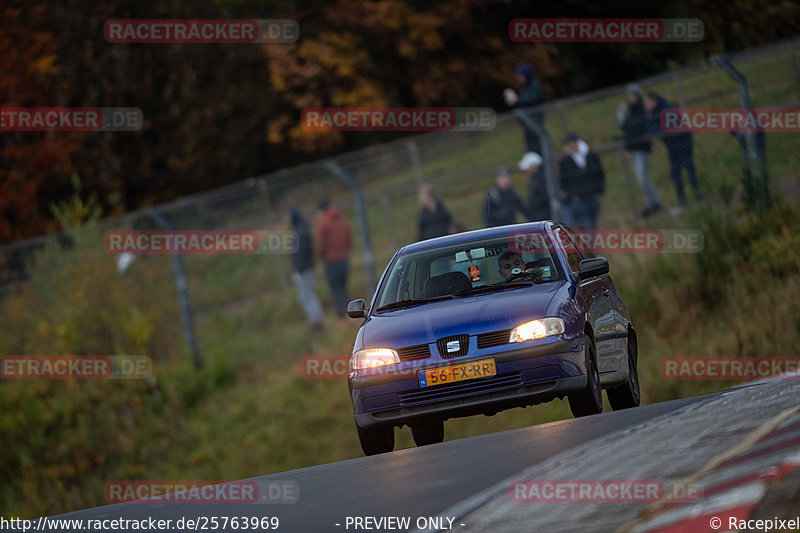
{"type": "Point", "coordinates": [357, 309]}
{"type": "Point", "coordinates": [590, 268]}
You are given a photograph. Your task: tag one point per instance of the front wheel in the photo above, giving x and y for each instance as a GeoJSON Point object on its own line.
{"type": "Point", "coordinates": [628, 394]}
{"type": "Point", "coordinates": [589, 401]}
{"type": "Point", "coordinates": [428, 433]}
{"type": "Point", "coordinates": [376, 440]}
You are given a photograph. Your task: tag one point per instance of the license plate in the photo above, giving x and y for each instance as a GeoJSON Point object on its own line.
{"type": "Point", "coordinates": [452, 374]}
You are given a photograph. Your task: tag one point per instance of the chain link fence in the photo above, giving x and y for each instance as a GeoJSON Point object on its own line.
{"type": "Point", "coordinates": [461, 168]}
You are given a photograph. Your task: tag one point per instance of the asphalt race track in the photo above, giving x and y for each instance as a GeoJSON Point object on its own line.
{"type": "Point", "coordinates": [416, 482]}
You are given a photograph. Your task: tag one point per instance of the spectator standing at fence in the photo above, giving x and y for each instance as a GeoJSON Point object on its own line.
{"type": "Point", "coordinates": [680, 147]}
{"type": "Point", "coordinates": [303, 270]}
{"type": "Point", "coordinates": [538, 199]}
{"type": "Point", "coordinates": [582, 184]}
{"type": "Point", "coordinates": [530, 95]}
{"type": "Point", "coordinates": [434, 218]}
{"type": "Point", "coordinates": [633, 120]}
{"type": "Point", "coordinates": [333, 244]}
{"type": "Point", "coordinates": [502, 202]}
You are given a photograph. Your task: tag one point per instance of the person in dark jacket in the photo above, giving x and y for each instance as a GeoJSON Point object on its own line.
{"type": "Point", "coordinates": [502, 202]}
{"type": "Point", "coordinates": [680, 147]}
{"type": "Point", "coordinates": [538, 198]}
{"type": "Point", "coordinates": [303, 270]}
{"type": "Point", "coordinates": [333, 244]}
{"type": "Point", "coordinates": [530, 95]}
{"type": "Point", "coordinates": [434, 218]}
{"type": "Point", "coordinates": [633, 121]}
{"type": "Point", "coordinates": [582, 184]}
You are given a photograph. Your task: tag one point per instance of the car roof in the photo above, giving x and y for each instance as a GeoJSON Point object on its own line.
{"type": "Point", "coordinates": [473, 235]}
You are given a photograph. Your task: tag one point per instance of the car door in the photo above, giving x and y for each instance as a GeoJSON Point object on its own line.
{"type": "Point", "coordinates": [596, 293]}
{"type": "Point", "coordinates": [620, 319]}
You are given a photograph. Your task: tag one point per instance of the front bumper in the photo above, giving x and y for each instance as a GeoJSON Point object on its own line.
{"type": "Point", "coordinates": [525, 376]}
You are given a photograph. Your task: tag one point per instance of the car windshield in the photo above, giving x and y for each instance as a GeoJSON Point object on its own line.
{"type": "Point", "coordinates": [461, 269]}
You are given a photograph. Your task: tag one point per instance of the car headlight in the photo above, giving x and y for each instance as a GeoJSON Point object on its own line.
{"type": "Point", "coordinates": [536, 329]}
{"type": "Point", "coordinates": [372, 357]}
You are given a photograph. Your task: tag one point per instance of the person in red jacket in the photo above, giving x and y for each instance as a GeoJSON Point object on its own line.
{"type": "Point", "coordinates": [332, 240]}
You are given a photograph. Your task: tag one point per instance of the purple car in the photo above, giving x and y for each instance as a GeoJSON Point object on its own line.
{"type": "Point", "coordinates": [486, 320]}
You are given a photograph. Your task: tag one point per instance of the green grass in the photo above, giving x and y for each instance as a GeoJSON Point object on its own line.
{"type": "Point", "coordinates": [251, 411]}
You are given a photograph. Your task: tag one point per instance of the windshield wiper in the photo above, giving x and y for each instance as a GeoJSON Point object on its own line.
{"type": "Point", "coordinates": [413, 301]}
{"type": "Point", "coordinates": [496, 287]}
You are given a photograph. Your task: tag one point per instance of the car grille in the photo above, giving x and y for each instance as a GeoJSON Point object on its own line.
{"type": "Point", "coordinates": [495, 338]}
{"type": "Point", "coordinates": [412, 353]}
{"type": "Point", "coordinates": [463, 342]}
{"type": "Point", "coordinates": [455, 390]}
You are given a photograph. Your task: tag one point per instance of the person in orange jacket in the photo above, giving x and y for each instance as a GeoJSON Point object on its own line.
{"type": "Point", "coordinates": [332, 240]}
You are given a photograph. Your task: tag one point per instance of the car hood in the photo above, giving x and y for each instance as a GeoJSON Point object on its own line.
{"type": "Point", "coordinates": [478, 313]}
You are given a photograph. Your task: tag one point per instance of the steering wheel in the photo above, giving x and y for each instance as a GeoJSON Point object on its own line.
{"type": "Point", "coordinates": [535, 275]}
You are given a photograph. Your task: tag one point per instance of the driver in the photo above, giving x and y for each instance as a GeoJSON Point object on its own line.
{"type": "Point", "coordinates": [510, 263]}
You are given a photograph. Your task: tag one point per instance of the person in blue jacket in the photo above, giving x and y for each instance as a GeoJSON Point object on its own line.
{"type": "Point", "coordinates": [530, 95]}
{"type": "Point", "coordinates": [680, 147]}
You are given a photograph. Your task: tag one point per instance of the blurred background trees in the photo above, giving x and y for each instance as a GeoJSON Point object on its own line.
{"type": "Point", "coordinates": [218, 113]}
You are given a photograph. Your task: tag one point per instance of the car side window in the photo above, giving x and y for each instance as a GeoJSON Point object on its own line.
{"type": "Point", "coordinates": [573, 255]}
{"type": "Point", "coordinates": [408, 286]}
{"type": "Point", "coordinates": [583, 246]}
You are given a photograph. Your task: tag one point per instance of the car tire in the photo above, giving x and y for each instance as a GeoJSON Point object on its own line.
{"type": "Point", "coordinates": [628, 394]}
{"type": "Point", "coordinates": [428, 433]}
{"type": "Point", "coordinates": [376, 440]}
{"type": "Point", "coordinates": [589, 401]}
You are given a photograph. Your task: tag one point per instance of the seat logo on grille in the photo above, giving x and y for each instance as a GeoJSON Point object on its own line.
{"type": "Point", "coordinates": [453, 346]}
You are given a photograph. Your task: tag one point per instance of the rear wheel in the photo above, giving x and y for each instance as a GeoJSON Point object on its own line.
{"type": "Point", "coordinates": [589, 401]}
{"type": "Point", "coordinates": [428, 433]}
{"type": "Point", "coordinates": [628, 394]}
{"type": "Point", "coordinates": [376, 440]}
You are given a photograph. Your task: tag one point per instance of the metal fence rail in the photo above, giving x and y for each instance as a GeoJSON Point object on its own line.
{"type": "Point", "coordinates": [384, 178]}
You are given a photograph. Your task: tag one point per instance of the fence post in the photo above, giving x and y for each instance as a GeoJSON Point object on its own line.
{"type": "Point", "coordinates": [413, 151]}
{"type": "Point", "coordinates": [626, 171]}
{"type": "Point", "coordinates": [793, 52]}
{"type": "Point", "coordinates": [755, 179]}
{"type": "Point", "coordinates": [183, 294]}
{"type": "Point", "coordinates": [676, 81]}
{"type": "Point", "coordinates": [361, 215]}
{"type": "Point", "coordinates": [547, 157]}
{"type": "Point", "coordinates": [386, 201]}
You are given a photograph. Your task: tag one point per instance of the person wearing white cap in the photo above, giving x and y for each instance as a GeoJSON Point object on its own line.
{"type": "Point", "coordinates": [538, 200]}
